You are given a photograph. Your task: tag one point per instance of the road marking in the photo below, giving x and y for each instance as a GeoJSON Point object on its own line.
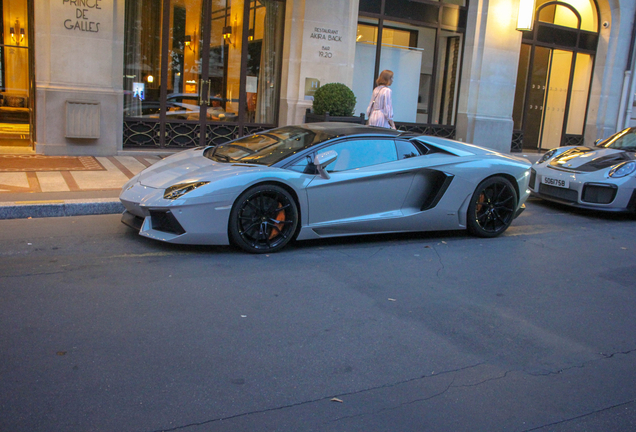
{"type": "Point", "coordinates": [41, 202]}
{"type": "Point", "coordinates": [151, 254]}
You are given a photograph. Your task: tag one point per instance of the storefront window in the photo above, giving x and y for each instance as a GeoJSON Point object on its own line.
{"type": "Point", "coordinates": [208, 61]}
{"type": "Point", "coordinates": [15, 78]}
{"type": "Point", "coordinates": [142, 59]}
{"type": "Point", "coordinates": [425, 60]}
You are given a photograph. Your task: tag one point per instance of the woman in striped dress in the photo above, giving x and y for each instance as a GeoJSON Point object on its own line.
{"type": "Point", "coordinates": [380, 111]}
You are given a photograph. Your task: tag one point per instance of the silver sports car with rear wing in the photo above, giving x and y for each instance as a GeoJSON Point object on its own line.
{"type": "Point", "coordinates": [599, 178]}
{"type": "Point", "coordinates": [321, 180]}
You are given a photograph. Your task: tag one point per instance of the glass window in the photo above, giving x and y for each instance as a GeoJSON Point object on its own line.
{"type": "Point", "coordinates": [267, 148]}
{"type": "Point", "coordinates": [142, 58]}
{"type": "Point", "coordinates": [15, 98]}
{"type": "Point", "coordinates": [366, 44]}
{"type": "Point", "coordinates": [563, 16]}
{"type": "Point", "coordinates": [413, 70]}
{"type": "Point", "coordinates": [362, 153]}
{"type": "Point", "coordinates": [406, 149]}
{"type": "Point", "coordinates": [580, 89]}
{"type": "Point", "coordinates": [370, 6]}
{"type": "Point", "coordinates": [621, 141]}
{"type": "Point", "coordinates": [446, 93]}
{"type": "Point", "coordinates": [409, 10]}
{"type": "Point", "coordinates": [556, 98]}
{"type": "Point", "coordinates": [425, 59]}
{"type": "Point", "coordinates": [265, 51]}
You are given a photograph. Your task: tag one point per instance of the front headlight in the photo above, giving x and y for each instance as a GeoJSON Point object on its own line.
{"type": "Point", "coordinates": [178, 190]}
{"type": "Point", "coordinates": [546, 156]}
{"type": "Point", "coordinates": [623, 169]}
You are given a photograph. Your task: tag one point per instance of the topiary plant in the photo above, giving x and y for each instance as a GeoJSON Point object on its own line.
{"type": "Point", "coordinates": [335, 98]}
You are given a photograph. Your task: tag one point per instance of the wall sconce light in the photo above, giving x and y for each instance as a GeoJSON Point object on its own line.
{"type": "Point", "coordinates": [525, 19]}
{"type": "Point", "coordinates": [188, 41]}
{"type": "Point", "coordinates": [227, 34]}
{"type": "Point", "coordinates": [12, 31]}
{"type": "Point", "coordinates": [150, 79]}
{"type": "Point", "coordinates": [250, 35]}
{"type": "Point", "coordinates": [21, 34]}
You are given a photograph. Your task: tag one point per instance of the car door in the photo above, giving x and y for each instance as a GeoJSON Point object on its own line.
{"type": "Point", "coordinates": [366, 187]}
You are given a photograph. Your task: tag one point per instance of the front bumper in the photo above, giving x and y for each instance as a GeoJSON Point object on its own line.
{"type": "Point", "coordinates": [585, 191]}
{"type": "Point", "coordinates": [202, 220]}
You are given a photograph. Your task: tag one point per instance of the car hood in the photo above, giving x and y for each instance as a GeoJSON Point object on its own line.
{"type": "Point", "coordinates": [586, 159]}
{"type": "Point", "coordinates": [189, 166]}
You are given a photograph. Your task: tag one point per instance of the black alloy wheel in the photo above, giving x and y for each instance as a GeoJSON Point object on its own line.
{"type": "Point", "coordinates": [492, 207]}
{"type": "Point", "coordinates": [264, 219]}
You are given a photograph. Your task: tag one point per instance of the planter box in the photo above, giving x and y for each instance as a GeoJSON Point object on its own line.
{"type": "Point", "coordinates": [315, 118]}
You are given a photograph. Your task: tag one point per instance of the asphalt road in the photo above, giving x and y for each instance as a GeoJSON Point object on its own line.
{"type": "Point", "coordinates": [103, 330]}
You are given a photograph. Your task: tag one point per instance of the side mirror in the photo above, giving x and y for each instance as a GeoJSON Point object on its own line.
{"type": "Point", "coordinates": [322, 160]}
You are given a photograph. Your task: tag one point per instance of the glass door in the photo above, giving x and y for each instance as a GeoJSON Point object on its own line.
{"type": "Point", "coordinates": [184, 81]}
{"type": "Point", "coordinates": [16, 94]}
{"type": "Point", "coordinates": [557, 90]}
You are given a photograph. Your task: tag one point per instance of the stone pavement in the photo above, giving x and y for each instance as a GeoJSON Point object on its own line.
{"type": "Point", "coordinates": [49, 193]}
{"type": "Point", "coordinates": [75, 193]}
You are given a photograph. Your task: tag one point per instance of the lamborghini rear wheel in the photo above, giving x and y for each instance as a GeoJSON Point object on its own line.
{"type": "Point", "coordinates": [264, 219]}
{"type": "Point", "coordinates": [492, 207]}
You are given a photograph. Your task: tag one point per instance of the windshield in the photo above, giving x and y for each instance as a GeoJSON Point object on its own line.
{"type": "Point", "coordinates": [267, 148]}
{"type": "Point", "coordinates": [625, 140]}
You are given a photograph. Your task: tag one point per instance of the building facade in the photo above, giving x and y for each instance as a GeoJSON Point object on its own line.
{"type": "Point", "coordinates": [102, 77]}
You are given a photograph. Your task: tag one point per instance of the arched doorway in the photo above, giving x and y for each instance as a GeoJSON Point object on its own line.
{"type": "Point", "coordinates": [554, 75]}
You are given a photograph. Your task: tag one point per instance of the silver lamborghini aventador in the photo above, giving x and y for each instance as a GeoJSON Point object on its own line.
{"type": "Point", "coordinates": [600, 178]}
{"type": "Point", "coordinates": [324, 180]}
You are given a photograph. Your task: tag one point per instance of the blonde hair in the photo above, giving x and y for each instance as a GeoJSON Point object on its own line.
{"type": "Point", "coordinates": [385, 77]}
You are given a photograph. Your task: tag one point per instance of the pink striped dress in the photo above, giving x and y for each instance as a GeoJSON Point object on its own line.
{"type": "Point", "coordinates": [380, 109]}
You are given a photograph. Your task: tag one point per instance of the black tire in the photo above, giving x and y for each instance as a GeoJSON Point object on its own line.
{"type": "Point", "coordinates": [492, 207]}
{"type": "Point", "coordinates": [263, 219]}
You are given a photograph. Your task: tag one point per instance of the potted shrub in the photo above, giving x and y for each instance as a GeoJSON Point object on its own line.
{"type": "Point", "coordinates": [334, 102]}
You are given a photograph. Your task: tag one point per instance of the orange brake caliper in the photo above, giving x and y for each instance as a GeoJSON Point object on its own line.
{"type": "Point", "coordinates": [279, 217]}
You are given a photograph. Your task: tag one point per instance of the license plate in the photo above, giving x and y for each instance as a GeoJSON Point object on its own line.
{"type": "Point", "coordinates": [555, 182]}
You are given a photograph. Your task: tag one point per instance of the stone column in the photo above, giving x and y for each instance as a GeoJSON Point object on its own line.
{"type": "Point", "coordinates": [320, 43]}
{"type": "Point", "coordinates": [78, 76]}
{"type": "Point", "coordinates": [489, 74]}
{"type": "Point", "coordinates": [608, 81]}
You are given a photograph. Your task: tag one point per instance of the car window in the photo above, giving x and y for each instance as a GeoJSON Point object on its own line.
{"type": "Point", "coordinates": [304, 165]}
{"type": "Point", "coordinates": [267, 148]}
{"type": "Point", "coordinates": [361, 153]}
{"type": "Point", "coordinates": [406, 149]}
{"type": "Point", "coordinates": [625, 140]}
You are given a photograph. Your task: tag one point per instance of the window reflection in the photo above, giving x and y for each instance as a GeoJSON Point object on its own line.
{"type": "Point", "coordinates": [409, 51]}
{"type": "Point", "coordinates": [215, 85]}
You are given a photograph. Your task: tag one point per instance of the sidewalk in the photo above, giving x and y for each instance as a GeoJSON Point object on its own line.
{"type": "Point", "coordinates": [51, 193]}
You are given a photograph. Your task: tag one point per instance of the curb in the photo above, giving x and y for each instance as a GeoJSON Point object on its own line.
{"type": "Point", "coordinates": [58, 208]}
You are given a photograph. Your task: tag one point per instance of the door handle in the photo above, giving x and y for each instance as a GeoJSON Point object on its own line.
{"type": "Point", "coordinates": [202, 91]}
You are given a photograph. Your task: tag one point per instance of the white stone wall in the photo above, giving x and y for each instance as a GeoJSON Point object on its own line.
{"type": "Point", "coordinates": [320, 41]}
{"type": "Point", "coordinates": [78, 57]}
{"type": "Point", "coordinates": [489, 74]}
{"type": "Point", "coordinates": [609, 83]}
